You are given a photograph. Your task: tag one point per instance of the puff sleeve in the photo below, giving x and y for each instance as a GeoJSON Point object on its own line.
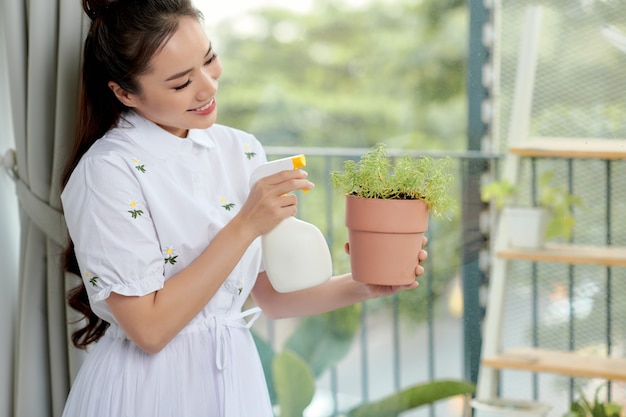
{"type": "Point", "coordinates": [114, 238]}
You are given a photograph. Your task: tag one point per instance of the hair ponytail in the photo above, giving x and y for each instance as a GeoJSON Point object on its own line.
{"type": "Point", "coordinates": [122, 38]}
{"type": "Point", "coordinates": [78, 299]}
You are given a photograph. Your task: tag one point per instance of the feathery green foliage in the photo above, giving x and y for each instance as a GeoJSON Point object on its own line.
{"type": "Point", "coordinates": [374, 176]}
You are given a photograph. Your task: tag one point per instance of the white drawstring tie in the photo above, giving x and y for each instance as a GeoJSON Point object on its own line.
{"type": "Point", "coordinates": [223, 324]}
{"type": "Point", "coordinates": [223, 350]}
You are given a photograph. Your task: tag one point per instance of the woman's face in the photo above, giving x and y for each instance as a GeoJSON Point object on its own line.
{"type": "Point", "coordinates": [178, 92]}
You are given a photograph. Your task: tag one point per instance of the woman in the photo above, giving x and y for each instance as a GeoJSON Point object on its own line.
{"type": "Point", "coordinates": [165, 227]}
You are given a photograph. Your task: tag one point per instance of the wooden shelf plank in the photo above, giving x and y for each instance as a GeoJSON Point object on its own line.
{"type": "Point", "coordinates": [550, 147]}
{"type": "Point", "coordinates": [559, 362]}
{"type": "Point", "coordinates": [573, 254]}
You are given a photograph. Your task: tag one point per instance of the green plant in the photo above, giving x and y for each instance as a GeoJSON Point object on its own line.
{"type": "Point", "coordinates": [500, 192]}
{"type": "Point", "coordinates": [556, 200]}
{"type": "Point", "coordinates": [412, 397]}
{"type": "Point", "coordinates": [584, 408]}
{"type": "Point", "coordinates": [375, 176]}
{"type": "Point", "coordinates": [318, 343]}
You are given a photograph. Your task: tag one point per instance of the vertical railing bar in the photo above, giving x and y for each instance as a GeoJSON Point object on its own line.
{"type": "Point", "coordinates": [334, 383]}
{"type": "Point", "coordinates": [334, 388]}
{"type": "Point", "coordinates": [396, 342]}
{"type": "Point", "coordinates": [364, 354]}
{"type": "Point", "coordinates": [571, 283]}
{"type": "Point", "coordinates": [271, 333]}
{"type": "Point", "coordinates": [431, 328]}
{"type": "Point", "coordinates": [609, 278]}
{"type": "Point", "coordinates": [330, 236]}
{"type": "Point", "coordinates": [535, 321]}
{"type": "Point", "coordinates": [534, 279]}
{"type": "Point", "coordinates": [395, 331]}
{"type": "Point", "coordinates": [473, 277]}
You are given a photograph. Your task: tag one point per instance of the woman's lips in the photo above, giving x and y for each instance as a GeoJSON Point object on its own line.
{"type": "Point", "coordinates": [206, 109]}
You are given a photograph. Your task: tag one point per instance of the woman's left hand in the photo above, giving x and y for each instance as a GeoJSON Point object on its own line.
{"type": "Point", "coordinates": [376, 291]}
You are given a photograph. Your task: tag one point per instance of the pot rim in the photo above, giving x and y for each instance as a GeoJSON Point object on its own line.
{"type": "Point", "coordinates": [386, 215]}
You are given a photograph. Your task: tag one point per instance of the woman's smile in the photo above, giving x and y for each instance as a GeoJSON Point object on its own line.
{"type": "Point", "coordinates": [205, 109]}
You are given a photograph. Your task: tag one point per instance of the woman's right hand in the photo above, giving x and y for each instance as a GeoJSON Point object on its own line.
{"type": "Point", "coordinates": [269, 202]}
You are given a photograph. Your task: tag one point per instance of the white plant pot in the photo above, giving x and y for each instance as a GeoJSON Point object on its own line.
{"type": "Point", "coordinates": [526, 226]}
{"type": "Point", "coordinates": [509, 408]}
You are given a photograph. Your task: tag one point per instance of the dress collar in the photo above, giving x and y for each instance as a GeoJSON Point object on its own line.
{"type": "Point", "coordinates": [159, 141]}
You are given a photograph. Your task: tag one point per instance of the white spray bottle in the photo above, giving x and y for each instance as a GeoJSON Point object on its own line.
{"type": "Point", "coordinates": [295, 253]}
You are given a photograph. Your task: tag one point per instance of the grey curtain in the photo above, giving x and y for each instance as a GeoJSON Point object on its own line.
{"type": "Point", "coordinates": [9, 239]}
{"type": "Point", "coordinates": [43, 64]}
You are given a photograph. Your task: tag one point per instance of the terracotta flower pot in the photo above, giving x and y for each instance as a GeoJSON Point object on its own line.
{"type": "Point", "coordinates": [384, 239]}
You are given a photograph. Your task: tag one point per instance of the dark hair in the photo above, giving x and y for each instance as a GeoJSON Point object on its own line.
{"type": "Point", "coordinates": [123, 37]}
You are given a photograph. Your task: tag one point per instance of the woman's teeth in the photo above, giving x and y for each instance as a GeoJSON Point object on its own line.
{"type": "Point", "coordinates": [206, 106]}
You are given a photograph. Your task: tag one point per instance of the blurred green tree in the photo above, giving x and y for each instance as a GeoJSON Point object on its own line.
{"type": "Point", "coordinates": [343, 76]}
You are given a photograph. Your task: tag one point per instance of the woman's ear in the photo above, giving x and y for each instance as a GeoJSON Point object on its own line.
{"type": "Point", "coordinates": [126, 98]}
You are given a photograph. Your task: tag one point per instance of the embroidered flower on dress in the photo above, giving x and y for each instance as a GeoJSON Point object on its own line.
{"type": "Point", "coordinates": [170, 255]}
{"type": "Point", "coordinates": [140, 167]}
{"type": "Point", "coordinates": [135, 212]}
{"type": "Point", "coordinates": [249, 153]}
{"type": "Point", "coordinates": [92, 279]}
{"type": "Point", "coordinates": [227, 206]}
{"type": "Point", "coordinates": [242, 284]}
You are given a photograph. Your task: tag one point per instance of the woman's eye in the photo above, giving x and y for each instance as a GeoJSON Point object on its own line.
{"type": "Point", "coordinates": [211, 59]}
{"type": "Point", "coordinates": [180, 87]}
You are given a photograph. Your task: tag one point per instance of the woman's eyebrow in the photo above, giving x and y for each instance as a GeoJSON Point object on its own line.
{"type": "Point", "coordinates": [185, 72]}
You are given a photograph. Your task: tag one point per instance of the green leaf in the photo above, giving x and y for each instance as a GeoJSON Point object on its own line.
{"type": "Point", "coordinates": [413, 397]}
{"type": "Point", "coordinates": [294, 383]}
{"type": "Point", "coordinates": [266, 354]}
{"type": "Point", "coordinates": [500, 192]}
{"type": "Point", "coordinates": [323, 340]}
{"type": "Point", "coordinates": [585, 408]}
{"type": "Point", "coordinates": [613, 409]}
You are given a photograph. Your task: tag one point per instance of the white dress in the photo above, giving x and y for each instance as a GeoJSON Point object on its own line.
{"type": "Point", "coordinates": [141, 205]}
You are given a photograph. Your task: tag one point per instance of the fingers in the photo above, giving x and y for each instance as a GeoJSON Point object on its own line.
{"type": "Point", "coordinates": [410, 286]}
{"type": "Point", "coordinates": [397, 288]}
{"type": "Point", "coordinates": [269, 200]}
{"type": "Point", "coordinates": [287, 200]}
{"type": "Point", "coordinates": [422, 256]}
{"type": "Point", "coordinates": [376, 291]}
{"type": "Point", "coordinates": [287, 181]}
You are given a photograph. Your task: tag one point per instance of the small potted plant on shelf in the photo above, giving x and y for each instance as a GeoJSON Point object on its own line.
{"type": "Point", "coordinates": [387, 210]}
{"type": "Point", "coordinates": [582, 407]}
{"type": "Point", "coordinates": [530, 226]}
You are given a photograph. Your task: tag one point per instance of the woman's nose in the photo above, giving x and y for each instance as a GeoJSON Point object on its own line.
{"type": "Point", "coordinates": [209, 83]}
